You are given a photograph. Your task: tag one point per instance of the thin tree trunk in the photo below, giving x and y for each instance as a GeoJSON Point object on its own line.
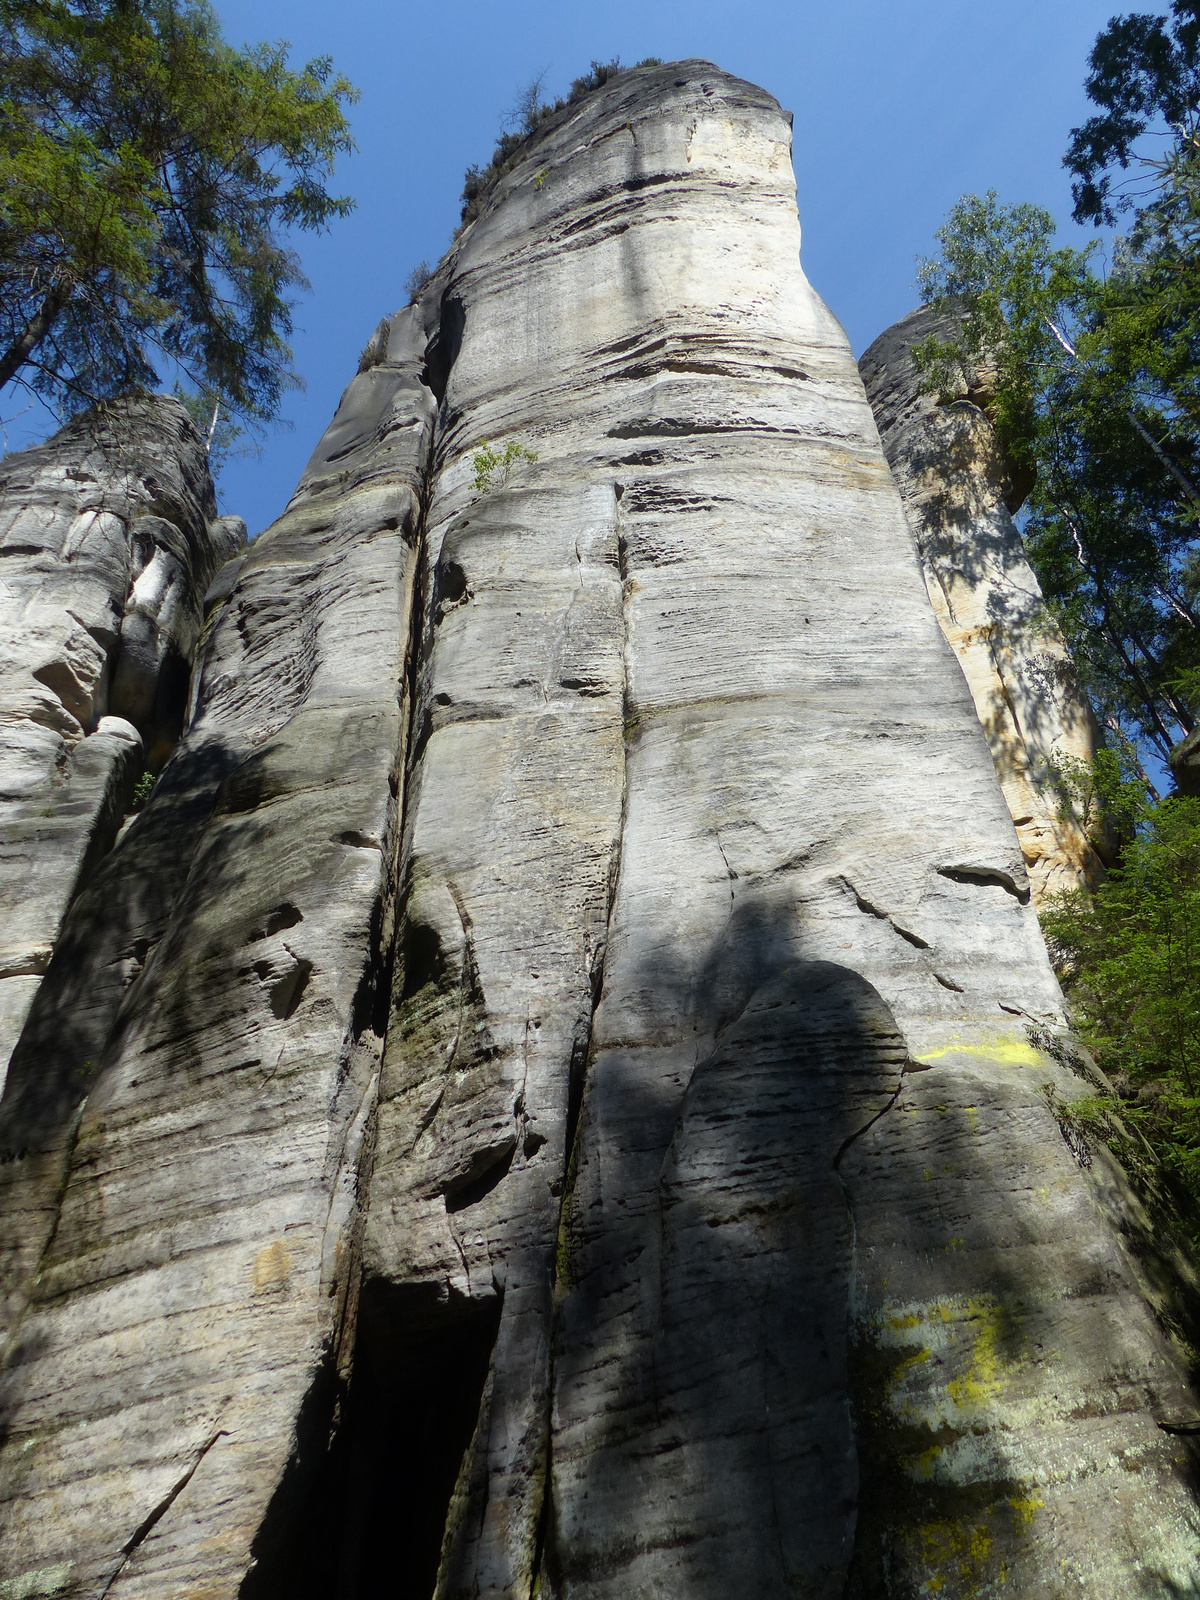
{"type": "Point", "coordinates": [36, 329]}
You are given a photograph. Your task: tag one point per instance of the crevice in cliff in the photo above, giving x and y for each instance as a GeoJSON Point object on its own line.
{"type": "Point", "coordinates": [392, 1412]}
{"type": "Point", "coordinates": [872, 910]}
{"type": "Point", "coordinates": [545, 1580]}
{"type": "Point", "coordinates": [369, 1517]}
{"type": "Point", "coordinates": [853, 1138]}
{"type": "Point", "coordinates": [983, 876]}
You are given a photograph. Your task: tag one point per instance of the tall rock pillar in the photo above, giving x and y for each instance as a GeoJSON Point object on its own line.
{"type": "Point", "coordinates": [959, 499]}
{"type": "Point", "coordinates": [540, 1103]}
{"type": "Point", "coordinates": [109, 538]}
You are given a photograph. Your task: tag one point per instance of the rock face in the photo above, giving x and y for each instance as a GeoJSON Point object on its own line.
{"type": "Point", "coordinates": [108, 539]}
{"type": "Point", "coordinates": [539, 1102]}
{"type": "Point", "coordinates": [1185, 764]}
{"type": "Point", "coordinates": [959, 497]}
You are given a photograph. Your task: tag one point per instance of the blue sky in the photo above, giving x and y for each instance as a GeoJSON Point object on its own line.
{"type": "Point", "coordinates": [900, 106]}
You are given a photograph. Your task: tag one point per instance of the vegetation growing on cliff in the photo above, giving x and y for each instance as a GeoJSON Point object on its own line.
{"type": "Point", "coordinates": [529, 114]}
{"type": "Point", "coordinates": [148, 176]}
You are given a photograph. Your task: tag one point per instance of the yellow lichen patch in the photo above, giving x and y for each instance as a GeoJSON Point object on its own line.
{"type": "Point", "coordinates": [981, 1382]}
{"type": "Point", "coordinates": [976, 1339]}
{"type": "Point", "coordinates": [954, 1556]}
{"type": "Point", "coordinates": [272, 1268]}
{"type": "Point", "coordinates": [922, 1466]}
{"type": "Point", "coordinates": [1025, 1508]}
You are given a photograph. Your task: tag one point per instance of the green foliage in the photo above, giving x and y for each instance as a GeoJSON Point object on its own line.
{"type": "Point", "coordinates": [1129, 958]}
{"type": "Point", "coordinates": [148, 176]}
{"type": "Point", "coordinates": [493, 468]}
{"type": "Point", "coordinates": [1089, 402]}
{"type": "Point", "coordinates": [526, 118]}
{"type": "Point", "coordinates": [1108, 792]}
{"type": "Point", "coordinates": [142, 791]}
{"type": "Point", "coordinates": [1098, 376]}
{"type": "Point", "coordinates": [223, 434]}
{"type": "Point", "coordinates": [1144, 70]}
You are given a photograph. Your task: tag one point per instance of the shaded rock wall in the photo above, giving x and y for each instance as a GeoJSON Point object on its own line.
{"type": "Point", "coordinates": [108, 539]}
{"type": "Point", "coordinates": [186, 1110]}
{"type": "Point", "coordinates": [959, 498]}
{"type": "Point", "coordinates": [539, 1102]}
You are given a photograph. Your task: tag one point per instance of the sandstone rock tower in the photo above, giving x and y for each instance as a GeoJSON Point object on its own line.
{"type": "Point", "coordinates": [539, 1102]}
{"type": "Point", "coordinates": [959, 497]}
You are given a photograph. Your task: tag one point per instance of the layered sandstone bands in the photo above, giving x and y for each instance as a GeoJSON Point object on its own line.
{"type": "Point", "coordinates": [109, 538]}
{"type": "Point", "coordinates": [560, 1118]}
{"type": "Point", "coordinates": [959, 498]}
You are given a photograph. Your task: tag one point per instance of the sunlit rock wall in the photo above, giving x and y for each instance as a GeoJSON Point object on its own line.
{"type": "Point", "coordinates": [541, 1100]}
{"type": "Point", "coordinates": [957, 492]}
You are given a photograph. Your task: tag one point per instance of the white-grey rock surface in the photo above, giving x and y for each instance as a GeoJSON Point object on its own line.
{"type": "Point", "coordinates": [185, 1113]}
{"type": "Point", "coordinates": [108, 539]}
{"type": "Point", "coordinates": [959, 497]}
{"type": "Point", "coordinates": [590, 1147]}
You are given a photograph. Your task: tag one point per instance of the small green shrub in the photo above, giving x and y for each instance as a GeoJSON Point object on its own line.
{"type": "Point", "coordinates": [141, 792]}
{"type": "Point", "coordinates": [493, 468]}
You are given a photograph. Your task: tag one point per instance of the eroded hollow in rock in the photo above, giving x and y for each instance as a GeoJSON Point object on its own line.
{"type": "Point", "coordinates": [372, 1519]}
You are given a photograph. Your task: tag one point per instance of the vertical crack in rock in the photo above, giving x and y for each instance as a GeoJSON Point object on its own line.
{"type": "Point", "coordinates": [313, 1540]}
{"type": "Point", "coordinates": [545, 1577]}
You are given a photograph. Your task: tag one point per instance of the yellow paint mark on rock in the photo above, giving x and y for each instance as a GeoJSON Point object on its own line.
{"type": "Point", "coordinates": [272, 1269]}
{"type": "Point", "coordinates": [1010, 1048]}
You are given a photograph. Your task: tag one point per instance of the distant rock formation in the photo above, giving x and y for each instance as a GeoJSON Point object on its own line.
{"type": "Point", "coordinates": [959, 496]}
{"type": "Point", "coordinates": [108, 539]}
{"type": "Point", "coordinates": [540, 1101]}
{"type": "Point", "coordinates": [1185, 764]}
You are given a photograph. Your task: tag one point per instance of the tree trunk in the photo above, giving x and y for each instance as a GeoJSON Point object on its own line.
{"type": "Point", "coordinates": [36, 329]}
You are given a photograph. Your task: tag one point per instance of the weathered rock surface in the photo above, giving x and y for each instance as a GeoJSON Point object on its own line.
{"type": "Point", "coordinates": [592, 1148]}
{"type": "Point", "coordinates": [959, 497]}
{"type": "Point", "coordinates": [185, 1113]}
{"type": "Point", "coordinates": [108, 539]}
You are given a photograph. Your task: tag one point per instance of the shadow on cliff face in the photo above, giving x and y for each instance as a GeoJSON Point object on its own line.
{"type": "Point", "coordinates": [73, 1033]}
{"type": "Point", "coordinates": [730, 1405]}
{"type": "Point", "coordinates": [704, 1330]}
{"type": "Point", "coordinates": [727, 1417]}
{"type": "Point", "coordinates": [956, 452]}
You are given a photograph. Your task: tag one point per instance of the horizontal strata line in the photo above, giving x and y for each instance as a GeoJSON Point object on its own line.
{"type": "Point", "coordinates": [784, 697]}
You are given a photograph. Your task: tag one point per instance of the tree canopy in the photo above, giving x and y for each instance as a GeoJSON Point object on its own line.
{"type": "Point", "coordinates": [1098, 397]}
{"type": "Point", "coordinates": [1096, 403]}
{"type": "Point", "coordinates": [149, 177]}
{"type": "Point", "coordinates": [1143, 70]}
